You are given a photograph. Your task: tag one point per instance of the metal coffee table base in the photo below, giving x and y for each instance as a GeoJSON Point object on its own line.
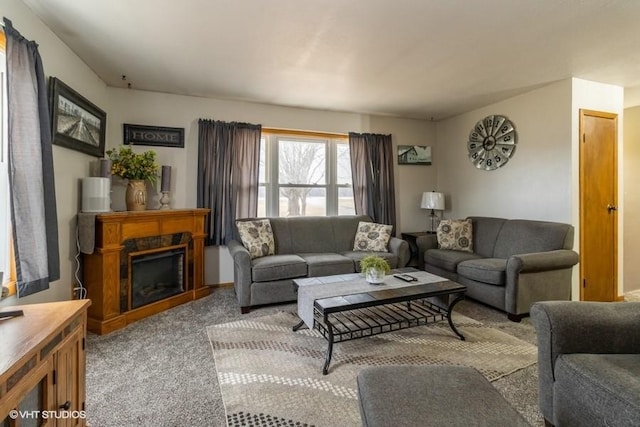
{"type": "Point", "coordinates": [343, 325]}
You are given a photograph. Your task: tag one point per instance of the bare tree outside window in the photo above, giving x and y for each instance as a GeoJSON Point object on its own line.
{"type": "Point", "coordinates": [300, 163]}
{"type": "Point", "coordinates": [304, 176]}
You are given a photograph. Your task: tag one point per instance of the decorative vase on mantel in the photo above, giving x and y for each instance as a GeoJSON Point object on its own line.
{"type": "Point", "coordinates": [136, 195]}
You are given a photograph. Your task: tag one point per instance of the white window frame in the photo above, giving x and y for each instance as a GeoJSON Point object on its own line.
{"type": "Point", "coordinates": [272, 185]}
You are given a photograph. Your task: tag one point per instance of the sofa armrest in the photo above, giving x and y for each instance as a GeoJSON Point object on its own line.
{"type": "Point", "coordinates": [400, 248]}
{"type": "Point", "coordinates": [542, 261]}
{"type": "Point", "coordinates": [241, 272]}
{"type": "Point", "coordinates": [587, 327]}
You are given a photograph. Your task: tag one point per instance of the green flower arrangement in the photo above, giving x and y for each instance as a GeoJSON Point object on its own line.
{"type": "Point", "coordinates": [127, 164]}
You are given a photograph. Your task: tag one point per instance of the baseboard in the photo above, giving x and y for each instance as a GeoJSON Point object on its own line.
{"type": "Point", "coordinates": [222, 285]}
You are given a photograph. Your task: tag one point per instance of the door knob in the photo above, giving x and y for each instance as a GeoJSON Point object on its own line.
{"type": "Point", "coordinates": [611, 207]}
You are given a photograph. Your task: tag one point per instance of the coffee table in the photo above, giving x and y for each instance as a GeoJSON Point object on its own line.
{"type": "Point", "coordinates": [349, 308]}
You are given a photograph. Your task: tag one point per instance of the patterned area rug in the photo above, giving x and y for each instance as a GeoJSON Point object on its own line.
{"type": "Point", "coordinates": [271, 376]}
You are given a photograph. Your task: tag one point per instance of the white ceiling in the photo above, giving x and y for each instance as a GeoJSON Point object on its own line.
{"type": "Point", "coordinates": [410, 58]}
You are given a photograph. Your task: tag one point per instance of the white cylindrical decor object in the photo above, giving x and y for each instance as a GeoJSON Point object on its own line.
{"type": "Point", "coordinates": [166, 178]}
{"type": "Point", "coordinates": [96, 194]}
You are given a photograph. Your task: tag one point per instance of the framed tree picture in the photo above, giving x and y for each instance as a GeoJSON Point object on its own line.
{"type": "Point", "coordinates": [76, 122]}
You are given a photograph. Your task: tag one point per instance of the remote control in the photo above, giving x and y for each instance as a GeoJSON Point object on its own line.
{"type": "Point", "coordinates": [11, 313]}
{"type": "Point", "coordinates": [405, 277]}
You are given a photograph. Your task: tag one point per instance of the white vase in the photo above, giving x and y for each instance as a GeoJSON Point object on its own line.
{"type": "Point", "coordinates": [374, 276]}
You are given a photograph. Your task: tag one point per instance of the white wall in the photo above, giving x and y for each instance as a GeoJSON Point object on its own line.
{"type": "Point", "coordinates": [536, 181]}
{"type": "Point", "coordinates": [159, 109]}
{"type": "Point", "coordinates": [70, 166]}
{"type": "Point", "coordinates": [631, 211]}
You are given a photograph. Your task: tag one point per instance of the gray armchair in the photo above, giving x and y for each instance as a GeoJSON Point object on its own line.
{"type": "Point", "coordinates": [588, 362]}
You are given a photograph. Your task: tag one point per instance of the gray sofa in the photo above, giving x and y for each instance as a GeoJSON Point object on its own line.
{"type": "Point", "coordinates": [588, 362]}
{"type": "Point", "coordinates": [514, 263]}
{"type": "Point", "coordinates": [305, 247]}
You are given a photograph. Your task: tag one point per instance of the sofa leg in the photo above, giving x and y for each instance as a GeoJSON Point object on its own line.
{"type": "Point", "coordinates": [245, 310]}
{"type": "Point", "coordinates": [515, 317]}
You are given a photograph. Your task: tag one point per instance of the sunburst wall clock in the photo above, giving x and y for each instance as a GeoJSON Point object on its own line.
{"type": "Point", "coordinates": [492, 142]}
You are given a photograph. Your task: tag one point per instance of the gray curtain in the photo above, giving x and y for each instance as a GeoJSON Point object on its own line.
{"type": "Point", "coordinates": [372, 162]}
{"type": "Point", "coordinates": [33, 198]}
{"type": "Point", "coordinates": [228, 162]}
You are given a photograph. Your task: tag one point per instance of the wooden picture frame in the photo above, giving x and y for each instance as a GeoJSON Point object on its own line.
{"type": "Point", "coordinates": [414, 154]}
{"type": "Point", "coordinates": [76, 122]}
{"type": "Point", "coordinates": [153, 135]}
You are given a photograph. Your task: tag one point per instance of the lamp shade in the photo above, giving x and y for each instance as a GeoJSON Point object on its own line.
{"type": "Point", "coordinates": [432, 200]}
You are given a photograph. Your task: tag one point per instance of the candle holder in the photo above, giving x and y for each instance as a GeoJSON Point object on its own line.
{"type": "Point", "coordinates": [164, 188]}
{"type": "Point", "coordinates": [164, 200]}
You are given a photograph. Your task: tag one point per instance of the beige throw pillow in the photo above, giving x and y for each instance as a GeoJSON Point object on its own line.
{"type": "Point", "coordinates": [257, 237]}
{"type": "Point", "coordinates": [455, 234]}
{"type": "Point", "coordinates": [372, 237]}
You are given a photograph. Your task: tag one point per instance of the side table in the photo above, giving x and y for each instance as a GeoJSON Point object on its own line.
{"type": "Point", "coordinates": [411, 238]}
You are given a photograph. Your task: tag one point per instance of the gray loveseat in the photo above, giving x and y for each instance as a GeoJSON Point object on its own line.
{"type": "Point", "coordinates": [514, 263]}
{"type": "Point", "coordinates": [304, 247]}
{"type": "Point", "coordinates": [588, 362]}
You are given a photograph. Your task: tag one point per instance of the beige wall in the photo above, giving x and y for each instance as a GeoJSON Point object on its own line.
{"type": "Point", "coordinates": [535, 183]}
{"type": "Point", "coordinates": [631, 247]}
{"type": "Point", "coordinates": [70, 166]}
{"type": "Point", "coordinates": [541, 179]}
{"type": "Point", "coordinates": [151, 108]}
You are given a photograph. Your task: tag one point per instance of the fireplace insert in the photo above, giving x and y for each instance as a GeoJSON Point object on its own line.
{"type": "Point", "coordinates": [156, 276]}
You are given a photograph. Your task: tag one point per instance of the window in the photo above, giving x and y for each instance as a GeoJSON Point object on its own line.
{"type": "Point", "coordinates": [6, 258]}
{"type": "Point", "coordinates": [304, 174]}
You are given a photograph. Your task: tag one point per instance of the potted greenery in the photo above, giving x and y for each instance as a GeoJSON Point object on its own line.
{"type": "Point", "coordinates": [137, 169]}
{"type": "Point", "coordinates": [374, 268]}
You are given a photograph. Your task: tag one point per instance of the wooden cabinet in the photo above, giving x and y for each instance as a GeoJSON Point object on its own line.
{"type": "Point", "coordinates": [43, 365]}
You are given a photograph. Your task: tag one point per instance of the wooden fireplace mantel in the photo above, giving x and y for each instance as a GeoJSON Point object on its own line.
{"type": "Point", "coordinates": [101, 270]}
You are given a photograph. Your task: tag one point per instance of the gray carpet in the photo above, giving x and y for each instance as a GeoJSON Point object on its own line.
{"type": "Point", "coordinates": [160, 371]}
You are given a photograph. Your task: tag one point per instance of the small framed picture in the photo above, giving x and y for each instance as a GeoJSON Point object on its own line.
{"type": "Point", "coordinates": [153, 135]}
{"type": "Point", "coordinates": [414, 154]}
{"type": "Point", "coordinates": [76, 122]}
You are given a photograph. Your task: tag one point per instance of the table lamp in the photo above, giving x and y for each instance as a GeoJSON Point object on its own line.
{"type": "Point", "coordinates": [434, 201]}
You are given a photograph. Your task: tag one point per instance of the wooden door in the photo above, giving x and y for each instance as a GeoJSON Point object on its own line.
{"type": "Point", "coordinates": [598, 206]}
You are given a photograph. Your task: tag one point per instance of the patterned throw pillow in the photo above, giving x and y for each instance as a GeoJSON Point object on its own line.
{"type": "Point", "coordinates": [372, 237]}
{"type": "Point", "coordinates": [455, 234]}
{"type": "Point", "coordinates": [257, 237]}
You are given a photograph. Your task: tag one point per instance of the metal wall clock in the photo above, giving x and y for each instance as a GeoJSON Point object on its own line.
{"type": "Point", "coordinates": [492, 142]}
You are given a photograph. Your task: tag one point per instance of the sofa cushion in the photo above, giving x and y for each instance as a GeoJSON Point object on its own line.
{"type": "Point", "coordinates": [519, 236]}
{"type": "Point", "coordinates": [257, 237]}
{"type": "Point", "coordinates": [485, 234]}
{"type": "Point", "coordinates": [356, 256]}
{"type": "Point", "coordinates": [603, 389]}
{"type": "Point", "coordinates": [487, 270]}
{"type": "Point", "coordinates": [327, 264]}
{"type": "Point", "coordinates": [455, 234]}
{"type": "Point", "coordinates": [372, 237]}
{"type": "Point", "coordinates": [447, 259]}
{"type": "Point", "coordinates": [277, 267]}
